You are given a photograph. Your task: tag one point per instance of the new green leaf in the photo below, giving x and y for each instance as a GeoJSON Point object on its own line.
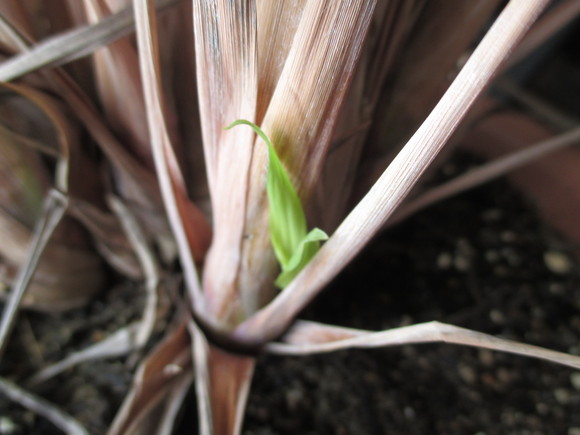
{"type": "Point", "coordinates": [293, 245]}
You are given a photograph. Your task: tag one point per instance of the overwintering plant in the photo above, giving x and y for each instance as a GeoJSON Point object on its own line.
{"type": "Point", "coordinates": [350, 94]}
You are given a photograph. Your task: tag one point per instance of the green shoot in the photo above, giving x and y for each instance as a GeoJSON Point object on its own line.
{"type": "Point", "coordinates": [293, 245]}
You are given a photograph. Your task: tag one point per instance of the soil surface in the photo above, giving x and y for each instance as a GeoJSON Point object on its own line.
{"type": "Point", "coordinates": [482, 260]}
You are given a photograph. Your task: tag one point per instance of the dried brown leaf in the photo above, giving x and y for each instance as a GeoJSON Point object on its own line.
{"type": "Point", "coordinates": [190, 228]}
{"type": "Point", "coordinates": [157, 375]}
{"type": "Point", "coordinates": [222, 385]}
{"type": "Point", "coordinates": [392, 22]}
{"type": "Point", "coordinates": [395, 183]}
{"type": "Point", "coordinates": [431, 58]}
{"type": "Point", "coordinates": [40, 406]}
{"type": "Point", "coordinates": [116, 68]}
{"type": "Point", "coordinates": [134, 181]}
{"type": "Point", "coordinates": [109, 238]}
{"type": "Point", "coordinates": [311, 337]}
{"type": "Point", "coordinates": [277, 24]}
{"type": "Point", "coordinates": [486, 172]}
{"type": "Point", "coordinates": [226, 62]}
{"type": "Point", "coordinates": [55, 206]}
{"type": "Point", "coordinates": [551, 23]}
{"type": "Point", "coordinates": [60, 49]}
{"type": "Point", "coordinates": [70, 264]}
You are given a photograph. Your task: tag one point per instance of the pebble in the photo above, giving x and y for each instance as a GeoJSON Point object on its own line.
{"type": "Point", "coordinates": [504, 376]}
{"type": "Point", "coordinates": [491, 256]}
{"type": "Point", "coordinates": [468, 374]}
{"type": "Point", "coordinates": [557, 262]}
{"type": "Point", "coordinates": [562, 396]}
{"type": "Point", "coordinates": [293, 398]}
{"type": "Point", "coordinates": [556, 289]}
{"type": "Point", "coordinates": [492, 214]}
{"type": "Point", "coordinates": [508, 236]}
{"type": "Point", "coordinates": [444, 260]}
{"type": "Point", "coordinates": [462, 260]}
{"type": "Point", "coordinates": [486, 357]}
{"type": "Point", "coordinates": [461, 263]}
{"type": "Point", "coordinates": [511, 256]}
{"type": "Point", "coordinates": [7, 426]}
{"type": "Point", "coordinates": [497, 317]}
{"type": "Point", "coordinates": [542, 408]}
{"type": "Point", "coordinates": [575, 380]}
{"type": "Point", "coordinates": [172, 369]}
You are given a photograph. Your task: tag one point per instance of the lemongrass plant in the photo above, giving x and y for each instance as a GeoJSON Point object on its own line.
{"type": "Point", "coordinates": [340, 89]}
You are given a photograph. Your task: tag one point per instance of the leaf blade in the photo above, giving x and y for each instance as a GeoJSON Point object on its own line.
{"type": "Point", "coordinates": [293, 245]}
{"type": "Point", "coordinates": [305, 251]}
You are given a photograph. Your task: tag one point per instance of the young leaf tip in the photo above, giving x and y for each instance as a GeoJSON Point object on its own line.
{"type": "Point", "coordinates": [293, 245]}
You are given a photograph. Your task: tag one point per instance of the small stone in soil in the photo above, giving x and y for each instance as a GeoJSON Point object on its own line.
{"type": "Point", "coordinates": [557, 262]}
{"type": "Point", "coordinates": [7, 426]}
{"type": "Point", "coordinates": [575, 380]}
{"type": "Point", "coordinates": [497, 317]}
{"type": "Point", "coordinates": [562, 395]}
{"type": "Point", "coordinates": [468, 374]}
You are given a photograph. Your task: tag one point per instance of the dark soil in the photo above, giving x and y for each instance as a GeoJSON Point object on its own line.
{"type": "Point", "coordinates": [481, 260]}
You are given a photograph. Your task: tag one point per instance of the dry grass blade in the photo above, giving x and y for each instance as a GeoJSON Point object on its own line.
{"type": "Point", "coordinates": [395, 183]}
{"type": "Point", "coordinates": [277, 24]}
{"type": "Point", "coordinates": [430, 332]}
{"type": "Point", "coordinates": [149, 264]}
{"type": "Point", "coordinates": [119, 343]}
{"type": "Point", "coordinates": [430, 58]}
{"type": "Point", "coordinates": [226, 63]}
{"type": "Point", "coordinates": [229, 393]}
{"type": "Point", "coordinates": [9, 35]}
{"type": "Point", "coordinates": [58, 120]}
{"type": "Point", "coordinates": [135, 335]}
{"type": "Point", "coordinates": [174, 402]}
{"type": "Point", "coordinates": [307, 333]}
{"type": "Point", "coordinates": [14, 22]}
{"type": "Point", "coordinates": [300, 120]}
{"type": "Point", "coordinates": [552, 22]}
{"type": "Point", "coordinates": [137, 184]}
{"type": "Point", "coordinates": [537, 106]}
{"type": "Point", "coordinates": [61, 420]}
{"type": "Point", "coordinates": [54, 210]}
{"type": "Point", "coordinates": [25, 181]}
{"type": "Point", "coordinates": [32, 144]}
{"type": "Point", "coordinates": [155, 378]}
{"type": "Point", "coordinates": [39, 117]}
{"type": "Point", "coordinates": [70, 46]}
{"type": "Point", "coordinates": [199, 354]}
{"type": "Point", "coordinates": [392, 22]}
{"type": "Point", "coordinates": [116, 69]}
{"type": "Point", "coordinates": [189, 226]}
{"type": "Point", "coordinates": [222, 382]}
{"type": "Point", "coordinates": [109, 238]}
{"type": "Point", "coordinates": [485, 173]}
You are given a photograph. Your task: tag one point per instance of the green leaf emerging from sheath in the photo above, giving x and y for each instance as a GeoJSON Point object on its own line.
{"type": "Point", "coordinates": [293, 245]}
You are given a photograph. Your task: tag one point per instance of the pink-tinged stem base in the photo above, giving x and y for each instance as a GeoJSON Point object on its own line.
{"type": "Point", "coordinates": [230, 376]}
